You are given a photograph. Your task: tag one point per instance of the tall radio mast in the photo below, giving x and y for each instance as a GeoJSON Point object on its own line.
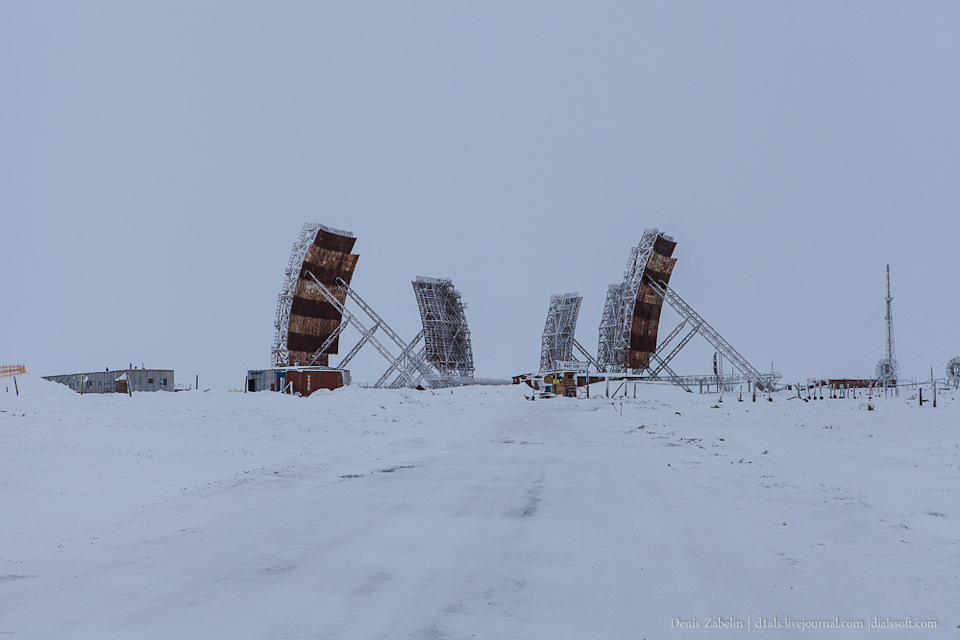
{"type": "Point", "coordinates": [888, 368]}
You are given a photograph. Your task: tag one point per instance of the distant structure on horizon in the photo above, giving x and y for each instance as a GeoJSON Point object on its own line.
{"type": "Point", "coordinates": [628, 344]}
{"type": "Point", "coordinates": [312, 313]}
{"type": "Point", "coordinates": [119, 381]}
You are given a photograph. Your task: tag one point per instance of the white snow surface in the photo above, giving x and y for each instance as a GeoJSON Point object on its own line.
{"type": "Point", "coordinates": [474, 513]}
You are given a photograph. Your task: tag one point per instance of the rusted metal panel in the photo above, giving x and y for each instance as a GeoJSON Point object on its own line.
{"type": "Point", "coordinates": [649, 304]}
{"type": "Point", "coordinates": [664, 247]}
{"type": "Point", "coordinates": [312, 319]}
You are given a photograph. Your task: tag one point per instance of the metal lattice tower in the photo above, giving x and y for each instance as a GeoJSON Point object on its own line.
{"type": "Point", "coordinates": [446, 335]}
{"type": "Point", "coordinates": [559, 330]}
{"type": "Point", "coordinates": [888, 369]}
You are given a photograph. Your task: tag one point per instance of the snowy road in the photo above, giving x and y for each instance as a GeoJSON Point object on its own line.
{"type": "Point", "coordinates": [365, 514]}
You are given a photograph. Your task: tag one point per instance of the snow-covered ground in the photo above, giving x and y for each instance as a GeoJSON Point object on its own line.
{"type": "Point", "coordinates": [474, 513]}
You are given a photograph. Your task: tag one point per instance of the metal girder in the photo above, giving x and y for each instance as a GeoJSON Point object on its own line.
{"type": "Point", "coordinates": [669, 338]}
{"type": "Point", "coordinates": [398, 381]}
{"type": "Point", "coordinates": [386, 374]}
{"type": "Point", "coordinates": [356, 348]}
{"type": "Point", "coordinates": [586, 354]}
{"type": "Point", "coordinates": [326, 343]}
{"type": "Point", "coordinates": [666, 359]}
{"type": "Point", "coordinates": [418, 363]}
{"type": "Point", "coordinates": [671, 374]}
{"type": "Point", "coordinates": [410, 377]}
{"type": "Point", "coordinates": [712, 336]}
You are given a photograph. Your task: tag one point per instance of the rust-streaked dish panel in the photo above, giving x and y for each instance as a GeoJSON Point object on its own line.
{"type": "Point", "coordinates": [312, 318]}
{"type": "Point", "coordinates": [649, 304]}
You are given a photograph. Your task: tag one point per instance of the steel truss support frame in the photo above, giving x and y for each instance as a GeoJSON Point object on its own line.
{"type": "Point", "coordinates": [410, 363]}
{"type": "Point", "coordinates": [419, 365]}
{"type": "Point", "coordinates": [586, 354]}
{"type": "Point", "coordinates": [326, 343]}
{"type": "Point", "coordinates": [356, 348]}
{"type": "Point", "coordinates": [391, 369]}
{"type": "Point", "coordinates": [398, 380]}
{"type": "Point", "coordinates": [662, 362]}
{"type": "Point", "coordinates": [410, 376]}
{"type": "Point", "coordinates": [724, 348]}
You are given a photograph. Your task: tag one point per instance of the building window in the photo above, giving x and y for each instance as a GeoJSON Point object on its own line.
{"type": "Point", "coordinates": [149, 380]}
{"type": "Point", "coordinates": [163, 381]}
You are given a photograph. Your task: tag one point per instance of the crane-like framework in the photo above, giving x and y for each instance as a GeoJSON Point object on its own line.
{"type": "Point", "coordinates": [307, 325]}
{"type": "Point", "coordinates": [446, 336]}
{"type": "Point", "coordinates": [559, 330]}
{"type": "Point", "coordinates": [888, 369]}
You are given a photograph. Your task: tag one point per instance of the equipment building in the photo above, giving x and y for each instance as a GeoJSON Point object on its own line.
{"type": "Point", "coordinates": [119, 381]}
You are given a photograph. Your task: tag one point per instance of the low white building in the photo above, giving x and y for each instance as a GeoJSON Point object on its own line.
{"type": "Point", "coordinates": [119, 381]}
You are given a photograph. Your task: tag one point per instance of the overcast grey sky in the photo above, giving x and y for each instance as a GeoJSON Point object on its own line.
{"type": "Point", "coordinates": [157, 161]}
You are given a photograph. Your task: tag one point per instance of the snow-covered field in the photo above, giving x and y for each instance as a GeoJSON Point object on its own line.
{"type": "Point", "coordinates": [475, 513]}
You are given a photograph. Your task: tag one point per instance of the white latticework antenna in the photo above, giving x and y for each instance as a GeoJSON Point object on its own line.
{"type": "Point", "coordinates": [559, 330]}
{"type": "Point", "coordinates": [445, 333]}
{"type": "Point", "coordinates": [611, 356]}
{"type": "Point", "coordinates": [888, 369]}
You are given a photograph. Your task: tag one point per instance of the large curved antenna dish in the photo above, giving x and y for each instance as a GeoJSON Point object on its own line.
{"type": "Point", "coordinates": [559, 330]}
{"type": "Point", "coordinates": [631, 314]}
{"type": "Point", "coordinates": [306, 322]}
{"type": "Point", "coordinates": [446, 337]}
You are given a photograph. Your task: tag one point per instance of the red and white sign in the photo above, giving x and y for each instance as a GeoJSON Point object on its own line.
{"type": "Point", "coordinates": [7, 370]}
